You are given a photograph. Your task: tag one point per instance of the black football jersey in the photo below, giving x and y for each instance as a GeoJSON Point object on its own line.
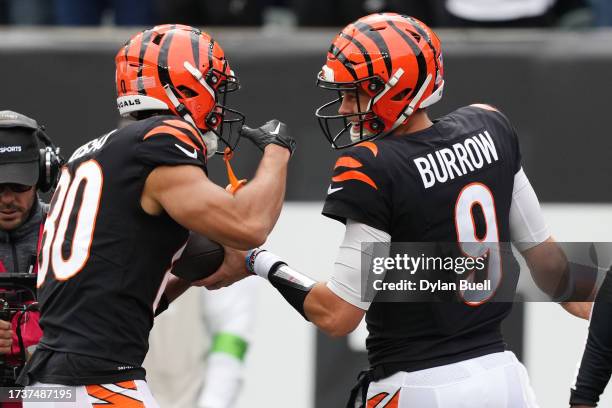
{"type": "Point", "coordinates": [103, 260]}
{"type": "Point", "coordinates": [596, 365]}
{"type": "Point", "coordinates": [425, 187]}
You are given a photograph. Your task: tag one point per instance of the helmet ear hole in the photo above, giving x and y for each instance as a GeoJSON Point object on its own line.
{"type": "Point", "coordinates": [401, 95]}
{"type": "Point", "coordinates": [186, 91]}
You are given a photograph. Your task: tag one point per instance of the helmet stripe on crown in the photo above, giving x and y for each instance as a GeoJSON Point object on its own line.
{"type": "Point", "coordinates": [417, 53]}
{"type": "Point", "coordinates": [380, 42]}
{"type": "Point", "coordinates": [146, 39]}
{"type": "Point", "coordinates": [342, 58]}
{"type": "Point", "coordinates": [425, 35]}
{"type": "Point", "coordinates": [195, 48]}
{"type": "Point", "coordinates": [162, 61]}
{"type": "Point", "coordinates": [363, 50]}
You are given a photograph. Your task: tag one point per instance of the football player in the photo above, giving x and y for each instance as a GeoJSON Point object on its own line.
{"type": "Point", "coordinates": [596, 367]}
{"type": "Point", "coordinates": [406, 178]}
{"type": "Point", "coordinates": [124, 205]}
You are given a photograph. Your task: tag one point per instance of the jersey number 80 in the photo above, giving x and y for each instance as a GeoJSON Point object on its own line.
{"type": "Point", "coordinates": [65, 213]}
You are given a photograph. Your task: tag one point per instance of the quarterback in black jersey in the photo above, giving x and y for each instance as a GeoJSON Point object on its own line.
{"type": "Point", "coordinates": [123, 208]}
{"type": "Point", "coordinates": [406, 178]}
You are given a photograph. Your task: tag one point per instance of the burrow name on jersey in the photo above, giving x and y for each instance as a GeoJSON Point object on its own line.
{"type": "Point", "coordinates": [90, 146]}
{"type": "Point", "coordinates": [465, 157]}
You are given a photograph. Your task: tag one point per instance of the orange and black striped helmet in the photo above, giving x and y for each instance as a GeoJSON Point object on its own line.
{"type": "Point", "coordinates": [396, 60]}
{"type": "Point", "coordinates": [180, 69]}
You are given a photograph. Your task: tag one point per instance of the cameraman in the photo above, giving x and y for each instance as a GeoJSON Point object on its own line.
{"type": "Point", "coordinates": [28, 163]}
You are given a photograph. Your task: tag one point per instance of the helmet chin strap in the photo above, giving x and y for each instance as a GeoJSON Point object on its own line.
{"type": "Point", "coordinates": [390, 84]}
{"type": "Point", "coordinates": [356, 137]}
{"type": "Point", "coordinates": [210, 139]}
{"type": "Point", "coordinates": [408, 111]}
{"type": "Point", "coordinates": [178, 106]}
{"type": "Point", "coordinates": [410, 108]}
{"type": "Point", "coordinates": [200, 78]}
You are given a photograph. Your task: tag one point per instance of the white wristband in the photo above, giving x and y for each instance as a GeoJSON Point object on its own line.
{"type": "Point", "coordinates": [264, 261]}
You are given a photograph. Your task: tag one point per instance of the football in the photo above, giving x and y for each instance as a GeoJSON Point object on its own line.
{"type": "Point", "coordinates": [200, 259]}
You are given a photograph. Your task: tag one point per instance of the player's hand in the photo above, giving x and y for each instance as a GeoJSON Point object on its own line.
{"type": "Point", "coordinates": [274, 131]}
{"type": "Point", "coordinates": [231, 270]}
{"type": "Point", "coordinates": [6, 337]}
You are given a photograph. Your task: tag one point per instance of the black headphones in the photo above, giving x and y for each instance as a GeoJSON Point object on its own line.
{"type": "Point", "coordinates": [49, 163]}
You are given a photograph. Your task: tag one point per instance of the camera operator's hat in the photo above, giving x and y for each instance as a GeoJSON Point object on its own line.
{"type": "Point", "coordinates": [19, 149]}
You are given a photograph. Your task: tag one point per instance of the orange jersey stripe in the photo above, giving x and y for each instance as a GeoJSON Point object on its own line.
{"type": "Point", "coordinates": [355, 175]}
{"type": "Point", "coordinates": [113, 399]}
{"type": "Point", "coordinates": [186, 126]}
{"type": "Point", "coordinates": [394, 402]}
{"type": "Point", "coordinates": [171, 131]}
{"type": "Point", "coordinates": [375, 400]}
{"type": "Point", "coordinates": [130, 384]}
{"type": "Point", "coordinates": [371, 146]}
{"type": "Point", "coordinates": [347, 162]}
{"type": "Point", "coordinates": [181, 124]}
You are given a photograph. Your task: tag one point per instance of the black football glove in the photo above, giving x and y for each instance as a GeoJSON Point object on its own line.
{"type": "Point", "coordinates": [274, 131]}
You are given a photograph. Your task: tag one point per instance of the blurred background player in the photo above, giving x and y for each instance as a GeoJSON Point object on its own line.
{"type": "Point", "coordinates": [405, 178]}
{"type": "Point", "coordinates": [29, 164]}
{"type": "Point", "coordinates": [200, 362]}
{"type": "Point", "coordinates": [104, 268]}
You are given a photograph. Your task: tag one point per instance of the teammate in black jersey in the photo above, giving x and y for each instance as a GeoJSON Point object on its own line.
{"type": "Point", "coordinates": [123, 207]}
{"type": "Point", "coordinates": [405, 178]}
{"type": "Point", "coordinates": [596, 366]}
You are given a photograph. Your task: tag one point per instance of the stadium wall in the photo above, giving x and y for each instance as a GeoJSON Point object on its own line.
{"type": "Point", "coordinates": [554, 86]}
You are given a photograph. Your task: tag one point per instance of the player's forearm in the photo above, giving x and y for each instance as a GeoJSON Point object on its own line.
{"type": "Point", "coordinates": [313, 300]}
{"type": "Point", "coordinates": [549, 267]}
{"type": "Point", "coordinates": [560, 278]}
{"type": "Point", "coordinates": [261, 200]}
{"type": "Point", "coordinates": [321, 309]}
